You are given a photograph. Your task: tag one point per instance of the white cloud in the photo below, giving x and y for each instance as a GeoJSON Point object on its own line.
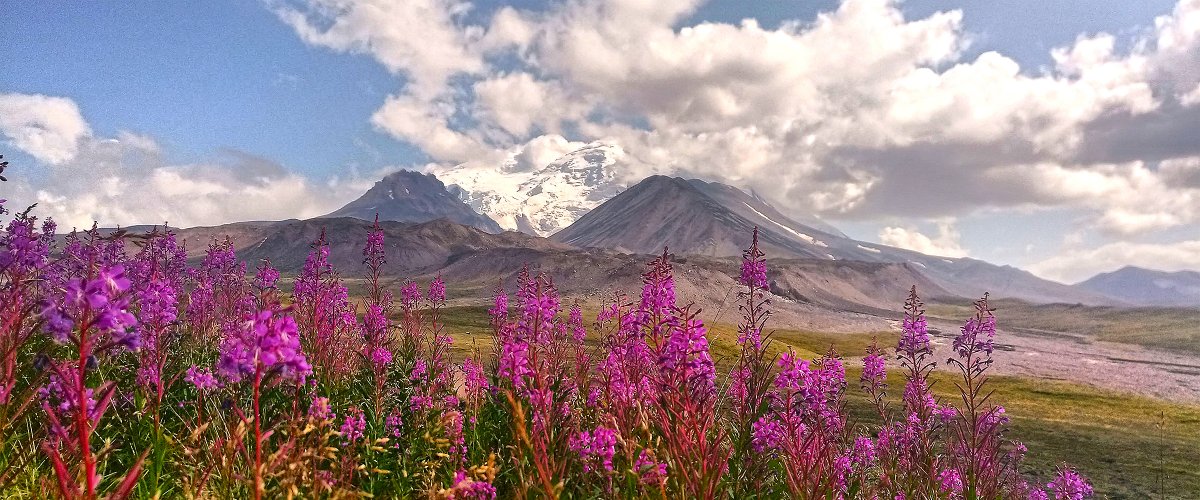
{"type": "Point", "coordinates": [425, 123]}
{"type": "Point", "coordinates": [847, 115]}
{"type": "Point", "coordinates": [945, 244]}
{"type": "Point", "coordinates": [1079, 264]}
{"type": "Point", "coordinates": [422, 39]}
{"type": "Point", "coordinates": [48, 128]}
{"type": "Point", "coordinates": [126, 180]}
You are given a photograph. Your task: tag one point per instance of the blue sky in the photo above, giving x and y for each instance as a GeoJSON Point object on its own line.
{"type": "Point", "coordinates": [236, 89]}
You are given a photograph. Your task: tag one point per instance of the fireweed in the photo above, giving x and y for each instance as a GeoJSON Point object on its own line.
{"type": "Point", "coordinates": [241, 386]}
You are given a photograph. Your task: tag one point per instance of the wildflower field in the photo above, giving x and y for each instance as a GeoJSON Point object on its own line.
{"type": "Point", "coordinates": [128, 372]}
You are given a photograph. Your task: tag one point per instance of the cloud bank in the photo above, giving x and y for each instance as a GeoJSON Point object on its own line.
{"type": "Point", "coordinates": [850, 115]}
{"type": "Point", "coordinates": [126, 180]}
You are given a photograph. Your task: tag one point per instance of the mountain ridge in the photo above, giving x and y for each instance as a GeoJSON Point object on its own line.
{"type": "Point", "coordinates": [707, 218]}
{"type": "Point", "coordinates": [1148, 287]}
{"type": "Point", "coordinates": [410, 196]}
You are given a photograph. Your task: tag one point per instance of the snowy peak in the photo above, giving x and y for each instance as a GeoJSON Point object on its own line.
{"type": "Point", "coordinates": [544, 200]}
{"type": "Point", "coordinates": [408, 196]}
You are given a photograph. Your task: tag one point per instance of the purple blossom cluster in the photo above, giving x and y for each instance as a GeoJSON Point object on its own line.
{"type": "Point", "coordinates": [266, 343]}
{"type": "Point", "coordinates": [596, 448]}
{"type": "Point", "coordinates": [202, 379]}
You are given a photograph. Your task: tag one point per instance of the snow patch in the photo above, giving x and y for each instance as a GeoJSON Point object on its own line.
{"type": "Point", "coordinates": [918, 263]}
{"type": "Point", "coordinates": [805, 237]}
{"type": "Point", "coordinates": [869, 249]}
{"type": "Point", "coordinates": [539, 201]}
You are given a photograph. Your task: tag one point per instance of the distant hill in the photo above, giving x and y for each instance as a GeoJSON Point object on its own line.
{"type": "Point", "coordinates": [408, 196]}
{"type": "Point", "coordinates": [1148, 287]}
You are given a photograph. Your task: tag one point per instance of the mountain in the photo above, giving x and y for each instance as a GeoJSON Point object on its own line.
{"type": "Point", "coordinates": [544, 200]}
{"type": "Point", "coordinates": [408, 196]}
{"type": "Point", "coordinates": [712, 219]}
{"type": "Point", "coordinates": [1148, 287]}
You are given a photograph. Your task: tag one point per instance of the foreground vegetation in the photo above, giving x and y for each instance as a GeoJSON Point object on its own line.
{"type": "Point", "coordinates": [1131, 446]}
{"type": "Point", "coordinates": [137, 375]}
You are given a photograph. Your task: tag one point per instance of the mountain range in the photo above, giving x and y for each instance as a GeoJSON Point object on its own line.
{"type": "Point", "coordinates": [576, 208]}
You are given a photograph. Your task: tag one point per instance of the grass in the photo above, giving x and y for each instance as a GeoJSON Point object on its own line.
{"type": "Point", "coordinates": [1157, 327]}
{"type": "Point", "coordinates": [1129, 446]}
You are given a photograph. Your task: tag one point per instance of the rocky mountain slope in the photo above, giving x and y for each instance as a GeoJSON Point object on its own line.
{"type": "Point", "coordinates": [408, 196]}
{"type": "Point", "coordinates": [711, 219]}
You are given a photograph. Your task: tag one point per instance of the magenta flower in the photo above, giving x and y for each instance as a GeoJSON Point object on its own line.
{"type": "Point", "coordinates": [874, 370]}
{"type": "Point", "coordinates": [437, 291]}
{"type": "Point", "coordinates": [767, 434]}
{"type": "Point", "coordinates": [391, 425]}
{"type": "Point", "coordinates": [649, 471]}
{"type": "Point", "coordinates": [102, 300]}
{"type": "Point", "coordinates": [596, 449]}
{"type": "Point", "coordinates": [381, 356]}
{"type": "Point", "coordinates": [1069, 485]}
{"type": "Point", "coordinates": [978, 334]}
{"type": "Point", "coordinates": [575, 323]}
{"type": "Point", "coordinates": [373, 254]}
{"type": "Point", "coordinates": [950, 482]}
{"type": "Point", "coordinates": [914, 337]}
{"type": "Point", "coordinates": [686, 354]}
{"type": "Point", "coordinates": [353, 427]}
{"type": "Point", "coordinates": [202, 379]}
{"type": "Point", "coordinates": [266, 342]}
{"type": "Point", "coordinates": [465, 488]}
{"type": "Point", "coordinates": [658, 288]}
{"type": "Point", "coordinates": [475, 381]}
{"type": "Point", "coordinates": [410, 296]}
{"type": "Point", "coordinates": [863, 452]}
{"type": "Point", "coordinates": [499, 310]}
{"type": "Point", "coordinates": [419, 371]}
{"type": "Point", "coordinates": [754, 267]}
{"type": "Point", "coordinates": [267, 276]}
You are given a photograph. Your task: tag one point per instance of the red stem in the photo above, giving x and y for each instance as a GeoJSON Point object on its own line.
{"type": "Point", "coordinates": [258, 486]}
{"type": "Point", "coordinates": [83, 427]}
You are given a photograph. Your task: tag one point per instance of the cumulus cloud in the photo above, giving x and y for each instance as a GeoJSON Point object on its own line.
{"type": "Point", "coordinates": [1080, 264]}
{"type": "Point", "coordinates": [47, 128]}
{"type": "Point", "coordinates": [127, 180]}
{"type": "Point", "coordinates": [945, 244]}
{"type": "Point", "coordinates": [780, 110]}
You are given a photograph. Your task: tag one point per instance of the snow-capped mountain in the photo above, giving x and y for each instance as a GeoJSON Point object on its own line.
{"type": "Point", "coordinates": [540, 201]}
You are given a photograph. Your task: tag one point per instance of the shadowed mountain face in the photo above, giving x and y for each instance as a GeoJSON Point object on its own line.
{"type": "Point", "coordinates": [711, 219]}
{"type": "Point", "coordinates": [408, 196]}
{"type": "Point", "coordinates": [817, 293]}
{"type": "Point", "coordinates": [1148, 287]}
{"type": "Point", "coordinates": [410, 248]}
